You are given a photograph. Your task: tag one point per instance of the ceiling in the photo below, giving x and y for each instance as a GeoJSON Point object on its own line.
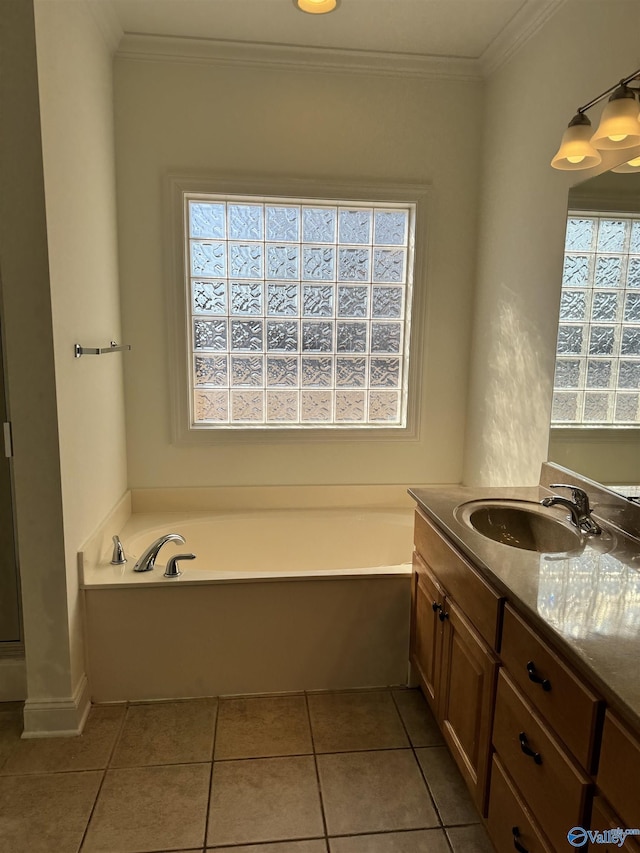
{"type": "Point", "coordinates": [447, 29]}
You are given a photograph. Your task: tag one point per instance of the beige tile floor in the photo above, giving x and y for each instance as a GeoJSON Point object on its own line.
{"type": "Point", "coordinates": [347, 772]}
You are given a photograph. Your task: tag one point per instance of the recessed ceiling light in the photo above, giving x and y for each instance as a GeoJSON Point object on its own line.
{"type": "Point", "coordinates": [316, 7]}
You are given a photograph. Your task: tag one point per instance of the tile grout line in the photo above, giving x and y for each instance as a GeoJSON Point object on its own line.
{"type": "Point", "coordinates": [116, 740]}
{"type": "Point", "coordinates": [315, 764]}
{"type": "Point", "coordinates": [444, 827]}
{"type": "Point", "coordinates": [422, 773]}
{"type": "Point", "coordinates": [210, 791]}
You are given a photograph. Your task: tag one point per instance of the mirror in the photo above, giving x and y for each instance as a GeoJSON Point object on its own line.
{"type": "Point", "coordinates": [609, 455]}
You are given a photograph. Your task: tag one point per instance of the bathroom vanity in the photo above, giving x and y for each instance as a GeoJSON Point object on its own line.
{"type": "Point", "coordinates": [530, 661]}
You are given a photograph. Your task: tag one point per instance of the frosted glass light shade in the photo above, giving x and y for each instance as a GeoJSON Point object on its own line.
{"type": "Point", "coordinates": [620, 122]}
{"type": "Point", "coordinates": [576, 151]}
{"type": "Point", "coordinates": [629, 167]}
{"type": "Point", "coordinates": [316, 7]}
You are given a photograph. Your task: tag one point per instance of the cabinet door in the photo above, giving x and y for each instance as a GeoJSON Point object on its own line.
{"type": "Point", "coordinates": [426, 634]}
{"type": "Point", "coordinates": [467, 692]}
{"type": "Point", "coordinates": [619, 770]}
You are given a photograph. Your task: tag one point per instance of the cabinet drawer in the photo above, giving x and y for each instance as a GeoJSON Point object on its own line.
{"type": "Point", "coordinates": [619, 770]}
{"type": "Point", "coordinates": [509, 819]}
{"type": "Point", "coordinates": [569, 707]}
{"type": "Point", "coordinates": [549, 779]}
{"type": "Point", "coordinates": [603, 818]}
{"type": "Point", "coordinates": [479, 602]}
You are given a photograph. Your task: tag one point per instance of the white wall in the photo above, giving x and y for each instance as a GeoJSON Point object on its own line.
{"type": "Point", "coordinates": [582, 51]}
{"type": "Point", "coordinates": [76, 107]}
{"type": "Point", "coordinates": [209, 118]}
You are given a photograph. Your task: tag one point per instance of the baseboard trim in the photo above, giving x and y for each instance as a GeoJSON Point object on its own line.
{"type": "Point", "coordinates": [13, 679]}
{"type": "Point", "coordinates": [58, 717]}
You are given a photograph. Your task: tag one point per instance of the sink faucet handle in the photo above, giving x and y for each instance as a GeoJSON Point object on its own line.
{"type": "Point", "coordinates": [578, 495]}
{"type": "Point", "coordinates": [581, 502]}
{"type": "Point", "coordinates": [172, 570]}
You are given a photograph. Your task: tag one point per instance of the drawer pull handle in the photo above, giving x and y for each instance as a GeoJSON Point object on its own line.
{"type": "Point", "coordinates": [435, 607]}
{"type": "Point", "coordinates": [533, 676]}
{"type": "Point", "coordinates": [524, 746]}
{"type": "Point", "coordinates": [442, 615]}
{"type": "Point", "coordinates": [516, 843]}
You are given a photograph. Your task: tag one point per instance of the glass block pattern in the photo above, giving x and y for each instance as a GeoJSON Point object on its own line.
{"type": "Point", "coordinates": [597, 380]}
{"type": "Point", "coordinates": [300, 311]}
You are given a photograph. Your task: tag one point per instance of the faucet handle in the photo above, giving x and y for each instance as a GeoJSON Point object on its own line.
{"type": "Point", "coordinates": [118, 557]}
{"type": "Point", "coordinates": [578, 495]}
{"type": "Point", "coordinates": [172, 570]}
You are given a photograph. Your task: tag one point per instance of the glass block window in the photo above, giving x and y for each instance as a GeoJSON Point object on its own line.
{"type": "Point", "coordinates": [299, 311]}
{"type": "Point", "coordinates": [597, 380]}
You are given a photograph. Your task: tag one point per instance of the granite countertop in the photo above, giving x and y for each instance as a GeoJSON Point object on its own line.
{"type": "Point", "coordinates": [586, 602]}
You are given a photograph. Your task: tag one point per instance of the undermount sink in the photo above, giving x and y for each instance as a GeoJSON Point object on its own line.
{"type": "Point", "coordinates": [520, 524]}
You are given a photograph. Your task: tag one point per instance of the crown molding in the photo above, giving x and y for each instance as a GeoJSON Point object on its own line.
{"type": "Point", "coordinates": [604, 202]}
{"type": "Point", "coordinates": [522, 27]}
{"type": "Point", "coordinates": [153, 48]}
{"type": "Point", "coordinates": [106, 17]}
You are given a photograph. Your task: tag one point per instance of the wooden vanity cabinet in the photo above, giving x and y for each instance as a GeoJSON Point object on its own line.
{"type": "Point", "coordinates": [530, 736]}
{"type": "Point", "coordinates": [618, 778]}
{"type": "Point", "coordinates": [455, 618]}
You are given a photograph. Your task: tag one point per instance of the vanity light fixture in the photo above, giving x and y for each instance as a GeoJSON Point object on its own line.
{"type": "Point", "coordinates": [629, 167]}
{"type": "Point", "coordinates": [576, 150]}
{"type": "Point", "coordinates": [619, 128]}
{"type": "Point", "coordinates": [316, 7]}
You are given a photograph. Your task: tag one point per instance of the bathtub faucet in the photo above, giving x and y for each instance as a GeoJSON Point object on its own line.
{"type": "Point", "coordinates": [148, 560]}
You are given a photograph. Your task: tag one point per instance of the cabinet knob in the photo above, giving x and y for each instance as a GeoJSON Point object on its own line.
{"type": "Point", "coordinates": [524, 746]}
{"type": "Point", "coordinates": [435, 607]}
{"type": "Point", "coordinates": [442, 615]}
{"type": "Point", "coordinates": [516, 843]}
{"type": "Point", "coordinates": [537, 679]}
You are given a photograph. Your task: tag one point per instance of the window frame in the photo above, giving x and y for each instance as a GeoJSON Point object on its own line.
{"type": "Point", "coordinates": [601, 208]}
{"type": "Point", "coordinates": [180, 185]}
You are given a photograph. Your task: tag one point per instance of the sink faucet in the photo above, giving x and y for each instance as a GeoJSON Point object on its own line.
{"type": "Point", "coordinates": [578, 506]}
{"type": "Point", "coordinates": [148, 559]}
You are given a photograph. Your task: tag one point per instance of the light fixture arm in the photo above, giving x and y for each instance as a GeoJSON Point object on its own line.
{"type": "Point", "coordinates": [624, 82]}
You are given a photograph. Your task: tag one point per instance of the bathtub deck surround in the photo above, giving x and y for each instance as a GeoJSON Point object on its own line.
{"type": "Point", "coordinates": [292, 588]}
{"type": "Point", "coordinates": [337, 772]}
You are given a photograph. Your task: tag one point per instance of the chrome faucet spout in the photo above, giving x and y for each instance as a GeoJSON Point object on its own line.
{"type": "Point", "coordinates": [578, 506]}
{"type": "Point", "coordinates": [565, 502]}
{"type": "Point", "coordinates": [148, 560]}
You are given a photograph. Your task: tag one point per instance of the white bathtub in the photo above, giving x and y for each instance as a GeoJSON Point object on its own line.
{"type": "Point", "coordinates": [277, 600]}
{"type": "Point", "coordinates": [241, 546]}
